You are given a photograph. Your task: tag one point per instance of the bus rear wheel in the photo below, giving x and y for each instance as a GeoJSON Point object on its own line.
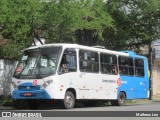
{"type": "Point", "coordinates": [69, 100]}
{"type": "Point", "coordinates": [120, 101]}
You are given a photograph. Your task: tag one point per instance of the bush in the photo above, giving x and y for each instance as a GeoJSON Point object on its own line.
{"type": "Point", "coordinates": [129, 101]}
{"type": "Point", "coordinates": [7, 101]}
{"type": "Point", "coordinates": [20, 104]}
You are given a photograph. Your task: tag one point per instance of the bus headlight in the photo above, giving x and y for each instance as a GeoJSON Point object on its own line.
{"type": "Point", "coordinates": [14, 85]}
{"type": "Point", "coordinates": [45, 84]}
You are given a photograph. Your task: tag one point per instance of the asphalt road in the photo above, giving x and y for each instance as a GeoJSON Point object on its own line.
{"type": "Point", "coordinates": [82, 113]}
{"type": "Point", "coordinates": [151, 106]}
{"type": "Point", "coordinates": [144, 108]}
{"type": "Point", "coordinates": [138, 106]}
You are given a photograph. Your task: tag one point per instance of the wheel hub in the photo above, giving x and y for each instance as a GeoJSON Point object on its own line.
{"type": "Point", "coordinates": [69, 100]}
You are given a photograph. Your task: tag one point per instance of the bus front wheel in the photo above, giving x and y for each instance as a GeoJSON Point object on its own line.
{"type": "Point", "coordinates": [120, 101]}
{"type": "Point", "coordinates": [69, 100]}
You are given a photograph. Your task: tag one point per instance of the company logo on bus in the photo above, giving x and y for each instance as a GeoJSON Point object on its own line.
{"type": "Point", "coordinates": [119, 82]}
{"type": "Point", "coordinates": [35, 82]}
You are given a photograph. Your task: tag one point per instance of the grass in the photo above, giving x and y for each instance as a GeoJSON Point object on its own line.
{"type": "Point", "coordinates": [138, 101]}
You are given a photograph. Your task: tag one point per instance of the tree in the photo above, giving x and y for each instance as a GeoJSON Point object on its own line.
{"type": "Point", "coordinates": [136, 23]}
{"type": "Point", "coordinates": [73, 20]}
{"type": "Point", "coordinates": [95, 19]}
{"type": "Point", "coordinates": [17, 19]}
{"type": "Point", "coordinates": [116, 24]}
{"type": "Point", "coordinates": [62, 21]}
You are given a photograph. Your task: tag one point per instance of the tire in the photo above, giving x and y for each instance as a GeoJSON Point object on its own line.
{"type": "Point", "coordinates": [69, 100]}
{"type": "Point", "coordinates": [120, 101]}
{"type": "Point", "coordinates": [90, 103]}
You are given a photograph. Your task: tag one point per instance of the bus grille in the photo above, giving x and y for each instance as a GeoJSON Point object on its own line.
{"type": "Point", "coordinates": [28, 88]}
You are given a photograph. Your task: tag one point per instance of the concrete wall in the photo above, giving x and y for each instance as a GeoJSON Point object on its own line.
{"type": "Point", "coordinates": [6, 75]}
{"type": "Point", "coordinates": [156, 79]}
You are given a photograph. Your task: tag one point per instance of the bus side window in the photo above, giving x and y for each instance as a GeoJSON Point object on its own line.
{"type": "Point", "coordinates": [126, 66]}
{"type": "Point", "coordinates": [139, 67]}
{"type": "Point", "coordinates": [72, 66]}
{"type": "Point", "coordinates": [64, 63]}
{"type": "Point", "coordinates": [108, 63]}
{"type": "Point", "coordinates": [88, 61]}
{"type": "Point", "coordinates": [68, 62]}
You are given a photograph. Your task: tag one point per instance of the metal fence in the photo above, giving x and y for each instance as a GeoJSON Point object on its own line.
{"type": "Point", "coordinates": [7, 67]}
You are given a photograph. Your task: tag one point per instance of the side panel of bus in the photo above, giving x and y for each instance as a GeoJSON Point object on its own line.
{"type": "Point", "coordinates": [87, 82]}
{"type": "Point", "coordinates": [92, 83]}
{"type": "Point", "coordinates": [97, 86]}
{"type": "Point", "coordinates": [136, 86]}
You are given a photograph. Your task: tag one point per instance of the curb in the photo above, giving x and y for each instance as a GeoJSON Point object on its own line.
{"type": "Point", "coordinates": [6, 108]}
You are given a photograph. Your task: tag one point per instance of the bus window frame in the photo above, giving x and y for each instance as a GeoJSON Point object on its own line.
{"type": "Point", "coordinates": [113, 69]}
{"type": "Point", "coordinates": [133, 69]}
{"type": "Point", "coordinates": [143, 68]}
{"type": "Point", "coordinates": [60, 71]}
{"type": "Point", "coordinates": [79, 59]}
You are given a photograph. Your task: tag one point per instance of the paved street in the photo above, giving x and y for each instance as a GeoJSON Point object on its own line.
{"type": "Point", "coordinates": [142, 106]}
{"type": "Point", "coordinates": [152, 106]}
{"type": "Point", "coordinates": [137, 106]}
{"type": "Point", "coordinates": [95, 112]}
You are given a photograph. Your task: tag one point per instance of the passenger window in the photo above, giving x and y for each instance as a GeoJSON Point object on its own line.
{"type": "Point", "coordinates": [139, 67]}
{"type": "Point", "coordinates": [88, 61]}
{"type": "Point", "coordinates": [68, 61]}
{"type": "Point", "coordinates": [108, 64]}
{"type": "Point", "coordinates": [126, 66]}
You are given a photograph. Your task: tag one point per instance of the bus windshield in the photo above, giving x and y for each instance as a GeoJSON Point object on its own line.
{"type": "Point", "coordinates": [38, 63]}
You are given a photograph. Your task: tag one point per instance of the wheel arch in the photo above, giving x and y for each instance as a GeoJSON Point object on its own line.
{"type": "Point", "coordinates": [122, 92]}
{"type": "Point", "coordinates": [73, 91]}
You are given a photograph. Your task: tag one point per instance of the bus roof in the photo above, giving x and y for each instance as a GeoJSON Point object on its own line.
{"type": "Point", "coordinates": [77, 46]}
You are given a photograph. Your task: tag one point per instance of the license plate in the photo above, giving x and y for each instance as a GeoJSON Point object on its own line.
{"type": "Point", "coordinates": [27, 94]}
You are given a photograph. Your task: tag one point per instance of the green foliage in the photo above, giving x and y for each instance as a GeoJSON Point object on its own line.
{"type": "Point", "coordinates": [18, 18]}
{"type": "Point", "coordinates": [7, 101]}
{"type": "Point", "coordinates": [136, 23]}
{"type": "Point", "coordinates": [65, 17]}
{"type": "Point", "coordinates": [116, 24]}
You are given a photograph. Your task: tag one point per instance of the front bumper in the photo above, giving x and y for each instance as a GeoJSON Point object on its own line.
{"type": "Point", "coordinates": [37, 94]}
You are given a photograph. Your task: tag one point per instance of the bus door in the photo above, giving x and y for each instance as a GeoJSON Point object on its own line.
{"type": "Point", "coordinates": [89, 74]}
{"type": "Point", "coordinates": [141, 75]}
{"type": "Point", "coordinates": [68, 69]}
